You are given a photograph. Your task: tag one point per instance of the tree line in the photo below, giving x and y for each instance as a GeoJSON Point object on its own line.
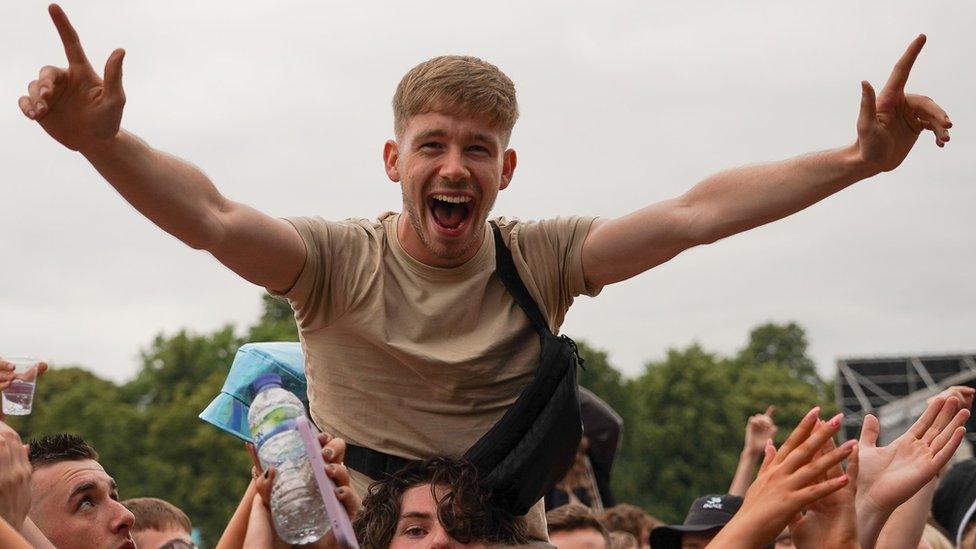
{"type": "Point", "coordinates": [684, 416]}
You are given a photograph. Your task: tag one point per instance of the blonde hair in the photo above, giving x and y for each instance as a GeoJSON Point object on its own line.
{"type": "Point", "coordinates": [623, 540]}
{"type": "Point", "coordinates": [156, 514]}
{"type": "Point", "coordinates": [456, 85]}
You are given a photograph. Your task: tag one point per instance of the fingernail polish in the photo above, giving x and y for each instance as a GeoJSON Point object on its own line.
{"type": "Point", "coordinates": [835, 421]}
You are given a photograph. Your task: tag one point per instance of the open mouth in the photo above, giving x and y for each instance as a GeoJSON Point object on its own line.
{"type": "Point", "coordinates": [450, 212]}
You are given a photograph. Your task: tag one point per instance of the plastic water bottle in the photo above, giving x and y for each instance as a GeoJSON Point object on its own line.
{"type": "Point", "coordinates": [296, 504]}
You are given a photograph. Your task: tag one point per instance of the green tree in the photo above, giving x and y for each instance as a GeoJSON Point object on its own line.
{"type": "Point", "coordinates": [679, 445]}
{"type": "Point", "coordinates": [784, 345]}
{"type": "Point", "coordinates": [174, 366]}
{"type": "Point", "coordinates": [604, 380]}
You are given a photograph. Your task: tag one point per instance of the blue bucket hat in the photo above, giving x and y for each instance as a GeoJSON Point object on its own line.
{"type": "Point", "coordinates": [229, 410]}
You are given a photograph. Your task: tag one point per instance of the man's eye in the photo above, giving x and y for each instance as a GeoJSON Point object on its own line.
{"type": "Point", "coordinates": [478, 149]}
{"type": "Point", "coordinates": [431, 145]}
{"type": "Point", "coordinates": [86, 503]}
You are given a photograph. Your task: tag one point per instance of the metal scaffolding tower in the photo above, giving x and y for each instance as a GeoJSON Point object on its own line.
{"type": "Point", "coordinates": [895, 389]}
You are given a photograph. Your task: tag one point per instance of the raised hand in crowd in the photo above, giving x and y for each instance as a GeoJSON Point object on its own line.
{"type": "Point", "coordinates": [906, 525]}
{"type": "Point", "coordinates": [7, 374]}
{"type": "Point", "coordinates": [759, 430]}
{"type": "Point", "coordinates": [890, 475]}
{"type": "Point", "coordinates": [961, 392]}
{"type": "Point", "coordinates": [76, 106]}
{"type": "Point", "coordinates": [259, 529]}
{"type": "Point", "coordinates": [15, 476]}
{"type": "Point", "coordinates": [830, 521]}
{"type": "Point", "coordinates": [888, 126]}
{"type": "Point", "coordinates": [789, 480]}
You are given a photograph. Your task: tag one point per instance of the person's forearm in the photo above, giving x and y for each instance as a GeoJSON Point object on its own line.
{"type": "Point", "coordinates": [10, 537]}
{"type": "Point", "coordinates": [743, 473]}
{"type": "Point", "coordinates": [172, 193]}
{"type": "Point", "coordinates": [34, 536]}
{"type": "Point", "coordinates": [234, 534]}
{"type": "Point", "coordinates": [870, 520]}
{"type": "Point", "coordinates": [740, 199]}
{"type": "Point", "coordinates": [904, 527]}
{"type": "Point", "coordinates": [740, 533]}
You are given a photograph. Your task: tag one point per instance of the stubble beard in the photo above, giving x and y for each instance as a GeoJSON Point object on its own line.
{"type": "Point", "coordinates": [438, 250]}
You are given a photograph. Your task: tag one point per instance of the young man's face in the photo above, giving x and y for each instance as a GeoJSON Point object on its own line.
{"type": "Point", "coordinates": [76, 504]}
{"type": "Point", "coordinates": [450, 170]}
{"type": "Point", "coordinates": [418, 525]}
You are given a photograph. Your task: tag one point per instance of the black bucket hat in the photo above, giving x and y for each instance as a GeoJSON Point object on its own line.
{"type": "Point", "coordinates": [954, 498]}
{"type": "Point", "coordinates": [708, 514]}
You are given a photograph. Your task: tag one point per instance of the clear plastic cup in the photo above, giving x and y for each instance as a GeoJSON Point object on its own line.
{"type": "Point", "coordinates": [19, 397]}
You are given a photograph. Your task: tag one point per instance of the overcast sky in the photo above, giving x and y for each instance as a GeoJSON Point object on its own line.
{"type": "Point", "coordinates": [286, 106]}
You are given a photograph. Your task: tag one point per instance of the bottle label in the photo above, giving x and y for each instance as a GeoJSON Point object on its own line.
{"type": "Point", "coordinates": [277, 420]}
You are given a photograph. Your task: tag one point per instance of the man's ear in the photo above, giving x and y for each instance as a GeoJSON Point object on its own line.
{"type": "Point", "coordinates": [391, 153]}
{"type": "Point", "coordinates": [509, 160]}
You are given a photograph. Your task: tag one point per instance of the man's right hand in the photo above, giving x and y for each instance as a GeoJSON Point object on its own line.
{"type": "Point", "coordinates": [76, 106]}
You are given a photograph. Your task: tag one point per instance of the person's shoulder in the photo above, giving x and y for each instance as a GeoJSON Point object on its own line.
{"type": "Point", "coordinates": [320, 223]}
{"type": "Point", "coordinates": [349, 231]}
{"type": "Point", "coordinates": [551, 227]}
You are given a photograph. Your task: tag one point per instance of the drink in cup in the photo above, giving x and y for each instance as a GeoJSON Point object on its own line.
{"type": "Point", "coordinates": [19, 396]}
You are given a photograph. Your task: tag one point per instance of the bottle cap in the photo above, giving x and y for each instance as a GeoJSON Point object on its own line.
{"type": "Point", "coordinates": [265, 380]}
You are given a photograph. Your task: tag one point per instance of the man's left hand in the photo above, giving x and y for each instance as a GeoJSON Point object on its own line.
{"type": "Point", "coordinates": [889, 125]}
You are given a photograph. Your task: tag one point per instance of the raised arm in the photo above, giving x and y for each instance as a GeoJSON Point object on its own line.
{"type": "Point", "coordinates": [740, 199]}
{"type": "Point", "coordinates": [890, 475]}
{"type": "Point", "coordinates": [83, 112]}
{"type": "Point", "coordinates": [759, 430]}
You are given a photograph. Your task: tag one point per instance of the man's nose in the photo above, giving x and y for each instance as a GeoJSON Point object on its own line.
{"type": "Point", "coordinates": [123, 519]}
{"type": "Point", "coordinates": [453, 167]}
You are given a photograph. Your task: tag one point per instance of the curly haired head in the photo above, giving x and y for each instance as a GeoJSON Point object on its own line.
{"type": "Point", "coordinates": [464, 509]}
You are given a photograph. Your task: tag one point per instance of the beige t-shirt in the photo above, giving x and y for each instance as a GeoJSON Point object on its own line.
{"type": "Point", "coordinates": [418, 361]}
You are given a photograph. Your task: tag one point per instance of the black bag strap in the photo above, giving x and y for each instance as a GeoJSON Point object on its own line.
{"type": "Point", "coordinates": [505, 267]}
{"type": "Point", "coordinates": [373, 463]}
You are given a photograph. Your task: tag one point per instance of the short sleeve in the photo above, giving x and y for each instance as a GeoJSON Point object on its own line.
{"type": "Point", "coordinates": [338, 255]}
{"type": "Point", "coordinates": [550, 254]}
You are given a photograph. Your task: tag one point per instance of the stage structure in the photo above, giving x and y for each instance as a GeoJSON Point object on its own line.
{"type": "Point", "coordinates": [895, 389]}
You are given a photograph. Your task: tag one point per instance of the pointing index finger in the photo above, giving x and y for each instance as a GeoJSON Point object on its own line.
{"type": "Point", "coordinates": [769, 411]}
{"type": "Point", "coordinates": [899, 76]}
{"type": "Point", "coordinates": [69, 37]}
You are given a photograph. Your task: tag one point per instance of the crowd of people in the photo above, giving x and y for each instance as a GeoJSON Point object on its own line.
{"type": "Point", "coordinates": [808, 493]}
{"type": "Point", "coordinates": [434, 332]}
{"type": "Point", "coordinates": [906, 494]}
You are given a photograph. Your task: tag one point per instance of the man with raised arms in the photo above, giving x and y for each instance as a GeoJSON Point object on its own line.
{"type": "Point", "coordinates": [413, 346]}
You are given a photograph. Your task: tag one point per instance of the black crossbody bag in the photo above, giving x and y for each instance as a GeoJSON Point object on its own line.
{"type": "Point", "coordinates": [534, 444]}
